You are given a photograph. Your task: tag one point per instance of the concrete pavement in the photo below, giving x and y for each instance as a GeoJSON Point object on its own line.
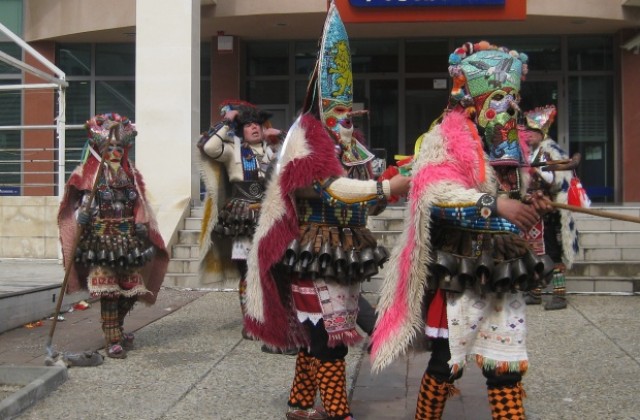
{"type": "Point", "coordinates": [191, 362]}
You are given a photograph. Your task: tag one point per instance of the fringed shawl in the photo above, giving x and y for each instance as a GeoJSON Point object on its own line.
{"type": "Point", "coordinates": [80, 181]}
{"type": "Point", "coordinates": [308, 154]}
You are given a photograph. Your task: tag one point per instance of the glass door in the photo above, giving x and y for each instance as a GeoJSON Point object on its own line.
{"type": "Point", "coordinates": [541, 92]}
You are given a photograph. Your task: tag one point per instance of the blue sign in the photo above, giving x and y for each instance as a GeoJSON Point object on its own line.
{"type": "Point", "coordinates": [404, 3]}
{"type": "Point", "coordinates": [9, 190]}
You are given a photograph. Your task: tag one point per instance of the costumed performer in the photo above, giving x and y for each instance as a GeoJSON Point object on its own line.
{"type": "Point", "coordinates": [121, 256]}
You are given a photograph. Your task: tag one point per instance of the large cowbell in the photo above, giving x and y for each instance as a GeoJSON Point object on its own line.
{"type": "Point", "coordinates": [335, 80]}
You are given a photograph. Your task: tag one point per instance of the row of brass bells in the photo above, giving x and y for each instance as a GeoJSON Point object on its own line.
{"type": "Point", "coordinates": [456, 273]}
{"type": "Point", "coordinates": [334, 263]}
{"type": "Point", "coordinates": [117, 258]}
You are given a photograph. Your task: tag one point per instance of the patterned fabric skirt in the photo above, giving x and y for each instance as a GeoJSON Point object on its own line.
{"type": "Point", "coordinates": [475, 296]}
{"type": "Point", "coordinates": [107, 282]}
{"type": "Point", "coordinates": [334, 303]}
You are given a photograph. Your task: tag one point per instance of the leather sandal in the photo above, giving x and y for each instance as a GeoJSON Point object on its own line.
{"type": "Point", "coordinates": [116, 351]}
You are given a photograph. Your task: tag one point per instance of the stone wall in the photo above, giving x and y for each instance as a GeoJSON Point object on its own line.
{"type": "Point", "coordinates": [28, 227]}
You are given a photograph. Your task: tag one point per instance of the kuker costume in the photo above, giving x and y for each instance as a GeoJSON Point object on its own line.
{"type": "Point", "coordinates": [312, 249]}
{"type": "Point", "coordinates": [121, 257]}
{"type": "Point", "coordinates": [471, 263]}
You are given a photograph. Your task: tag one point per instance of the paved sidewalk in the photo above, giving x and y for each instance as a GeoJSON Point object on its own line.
{"type": "Point", "coordinates": [191, 362]}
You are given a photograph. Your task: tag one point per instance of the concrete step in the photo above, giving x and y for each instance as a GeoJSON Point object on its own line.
{"type": "Point", "coordinates": [197, 212]}
{"type": "Point", "coordinates": [600, 269]}
{"type": "Point", "coordinates": [185, 251]}
{"type": "Point", "coordinates": [23, 306]}
{"type": "Point", "coordinates": [609, 253]}
{"type": "Point", "coordinates": [617, 238]}
{"type": "Point", "coordinates": [188, 236]}
{"type": "Point", "coordinates": [191, 281]}
{"type": "Point", "coordinates": [603, 284]}
{"type": "Point", "coordinates": [183, 266]}
{"type": "Point", "coordinates": [193, 223]}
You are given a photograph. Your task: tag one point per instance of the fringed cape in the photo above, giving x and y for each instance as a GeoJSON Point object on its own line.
{"type": "Point", "coordinates": [561, 183]}
{"type": "Point", "coordinates": [451, 166]}
{"type": "Point", "coordinates": [82, 180]}
{"type": "Point", "coordinates": [214, 262]}
{"type": "Point", "coordinates": [308, 153]}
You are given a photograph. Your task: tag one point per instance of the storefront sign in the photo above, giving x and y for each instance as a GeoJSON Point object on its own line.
{"type": "Point", "coordinates": [413, 3]}
{"type": "Point", "coordinates": [393, 11]}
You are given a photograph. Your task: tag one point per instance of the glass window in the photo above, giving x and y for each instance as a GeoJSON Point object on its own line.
{"type": "Point", "coordinates": [301, 91]}
{"type": "Point", "coordinates": [544, 52]}
{"type": "Point", "coordinates": [116, 59]}
{"type": "Point", "coordinates": [10, 147]}
{"type": "Point", "coordinates": [426, 56]}
{"type": "Point", "coordinates": [205, 104]}
{"type": "Point", "coordinates": [78, 102]}
{"type": "Point", "coordinates": [374, 56]}
{"type": "Point", "coordinates": [74, 59]}
{"type": "Point", "coordinates": [10, 103]}
{"type": "Point", "coordinates": [423, 104]}
{"type": "Point", "coordinates": [268, 59]}
{"type": "Point", "coordinates": [116, 97]}
{"type": "Point", "coordinates": [11, 12]}
{"type": "Point", "coordinates": [268, 91]}
{"type": "Point", "coordinates": [14, 51]}
{"type": "Point", "coordinates": [74, 141]}
{"type": "Point", "coordinates": [590, 53]}
{"type": "Point", "coordinates": [384, 116]}
{"type": "Point", "coordinates": [10, 144]}
{"type": "Point", "coordinates": [306, 53]}
{"type": "Point", "coordinates": [205, 86]}
{"type": "Point", "coordinates": [205, 59]}
{"type": "Point", "coordinates": [591, 133]}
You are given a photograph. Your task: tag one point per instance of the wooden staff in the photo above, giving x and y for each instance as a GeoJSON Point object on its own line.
{"type": "Point", "coordinates": [598, 213]}
{"type": "Point", "coordinates": [549, 162]}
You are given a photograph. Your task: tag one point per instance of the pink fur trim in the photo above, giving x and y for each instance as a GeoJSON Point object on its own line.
{"type": "Point", "coordinates": [461, 167]}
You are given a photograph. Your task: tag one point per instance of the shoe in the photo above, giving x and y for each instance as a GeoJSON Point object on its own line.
{"type": "Point", "coordinates": [127, 341]}
{"type": "Point", "coordinates": [116, 351]}
{"type": "Point", "coordinates": [246, 335]}
{"type": "Point", "coordinates": [556, 302]}
{"type": "Point", "coordinates": [315, 413]}
{"type": "Point", "coordinates": [530, 299]}
{"type": "Point", "coordinates": [286, 352]}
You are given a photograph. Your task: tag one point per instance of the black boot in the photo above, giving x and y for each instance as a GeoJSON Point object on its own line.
{"type": "Point", "coordinates": [533, 297]}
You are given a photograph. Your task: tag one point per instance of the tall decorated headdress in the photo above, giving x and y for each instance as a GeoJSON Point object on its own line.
{"type": "Point", "coordinates": [335, 80]}
{"type": "Point", "coordinates": [103, 127]}
{"type": "Point", "coordinates": [486, 82]}
{"type": "Point", "coordinates": [541, 118]}
{"type": "Point", "coordinates": [330, 91]}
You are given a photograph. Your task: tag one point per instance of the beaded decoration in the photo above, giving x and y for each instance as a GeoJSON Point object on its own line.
{"type": "Point", "coordinates": [478, 68]}
{"type": "Point", "coordinates": [541, 118]}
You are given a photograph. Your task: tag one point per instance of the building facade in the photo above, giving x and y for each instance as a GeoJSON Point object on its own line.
{"type": "Point", "coordinates": [172, 64]}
